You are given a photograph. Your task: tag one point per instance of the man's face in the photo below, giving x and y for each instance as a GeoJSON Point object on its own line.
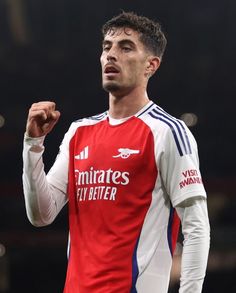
{"type": "Point", "coordinates": [124, 61]}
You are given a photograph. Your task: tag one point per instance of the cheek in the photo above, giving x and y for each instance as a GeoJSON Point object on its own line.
{"type": "Point", "coordinates": [135, 69]}
{"type": "Point", "coordinates": [102, 60]}
{"type": "Point", "coordinates": [131, 67]}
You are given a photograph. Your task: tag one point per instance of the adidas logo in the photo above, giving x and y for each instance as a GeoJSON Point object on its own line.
{"type": "Point", "coordinates": [83, 155]}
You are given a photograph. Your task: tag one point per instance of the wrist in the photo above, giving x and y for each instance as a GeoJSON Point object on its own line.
{"type": "Point", "coordinates": [34, 141]}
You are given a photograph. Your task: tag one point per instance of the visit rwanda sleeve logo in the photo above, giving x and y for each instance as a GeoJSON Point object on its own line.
{"type": "Point", "coordinates": [190, 177]}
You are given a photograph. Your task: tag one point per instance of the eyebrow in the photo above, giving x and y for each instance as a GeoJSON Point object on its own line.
{"type": "Point", "coordinates": [121, 42]}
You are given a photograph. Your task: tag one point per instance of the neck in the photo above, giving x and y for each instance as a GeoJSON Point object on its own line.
{"type": "Point", "coordinates": [127, 105]}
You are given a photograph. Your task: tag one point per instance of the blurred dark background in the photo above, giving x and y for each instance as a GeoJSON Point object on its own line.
{"type": "Point", "coordinates": [49, 50]}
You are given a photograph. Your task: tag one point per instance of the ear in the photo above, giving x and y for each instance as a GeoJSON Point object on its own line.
{"type": "Point", "coordinates": [153, 63]}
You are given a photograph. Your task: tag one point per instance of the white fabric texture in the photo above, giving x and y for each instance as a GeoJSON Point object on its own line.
{"type": "Point", "coordinates": [196, 231]}
{"type": "Point", "coordinates": [43, 201]}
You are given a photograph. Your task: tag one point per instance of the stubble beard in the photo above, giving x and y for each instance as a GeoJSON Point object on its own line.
{"type": "Point", "coordinates": [116, 89]}
{"type": "Point", "coordinates": [111, 87]}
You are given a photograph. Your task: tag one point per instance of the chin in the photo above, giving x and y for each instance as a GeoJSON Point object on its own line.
{"type": "Point", "coordinates": [111, 87]}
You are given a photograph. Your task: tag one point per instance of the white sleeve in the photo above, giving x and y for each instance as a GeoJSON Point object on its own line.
{"type": "Point", "coordinates": [43, 200]}
{"type": "Point", "coordinates": [196, 231]}
{"type": "Point", "coordinates": [179, 166]}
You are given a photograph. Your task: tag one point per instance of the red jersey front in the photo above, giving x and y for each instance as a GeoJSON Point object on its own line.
{"type": "Point", "coordinates": [112, 175]}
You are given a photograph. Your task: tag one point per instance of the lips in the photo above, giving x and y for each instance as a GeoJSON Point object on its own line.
{"type": "Point", "coordinates": [111, 69]}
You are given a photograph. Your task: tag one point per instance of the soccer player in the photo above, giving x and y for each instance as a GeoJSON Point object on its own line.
{"type": "Point", "coordinates": [129, 175]}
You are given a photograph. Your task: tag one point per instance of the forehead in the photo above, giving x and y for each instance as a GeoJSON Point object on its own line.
{"type": "Point", "coordinates": [118, 34]}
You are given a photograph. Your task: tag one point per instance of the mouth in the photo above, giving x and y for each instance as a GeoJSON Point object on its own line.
{"type": "Point", "coordinates": [111, 70]}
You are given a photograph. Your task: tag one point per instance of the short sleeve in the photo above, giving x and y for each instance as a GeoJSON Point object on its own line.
{"type": "Point", "coordinates": [179, 166]}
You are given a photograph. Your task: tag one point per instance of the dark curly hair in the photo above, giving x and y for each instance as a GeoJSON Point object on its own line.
{"type": "Point", "coordinates": [151, 34]}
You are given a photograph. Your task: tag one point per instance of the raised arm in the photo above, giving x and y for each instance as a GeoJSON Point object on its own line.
{"type": "Point", "coordinates": [43, 200]}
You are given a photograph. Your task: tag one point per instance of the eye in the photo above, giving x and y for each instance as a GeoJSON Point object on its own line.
{"type": "Point", "coordinates": [126, 49]}
{"type": "Point", "coordinates": [106, 48]}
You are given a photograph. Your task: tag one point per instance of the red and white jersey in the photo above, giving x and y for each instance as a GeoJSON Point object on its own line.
{"type": "Point", "coordinates": [123, 182]}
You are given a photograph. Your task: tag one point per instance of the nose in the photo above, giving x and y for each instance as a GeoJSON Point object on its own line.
{"type": "Point", "coordinates": [111, 55]}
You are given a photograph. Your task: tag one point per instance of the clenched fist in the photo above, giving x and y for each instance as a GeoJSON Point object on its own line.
{"type": "Point", "coordinates": [42, 118]}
